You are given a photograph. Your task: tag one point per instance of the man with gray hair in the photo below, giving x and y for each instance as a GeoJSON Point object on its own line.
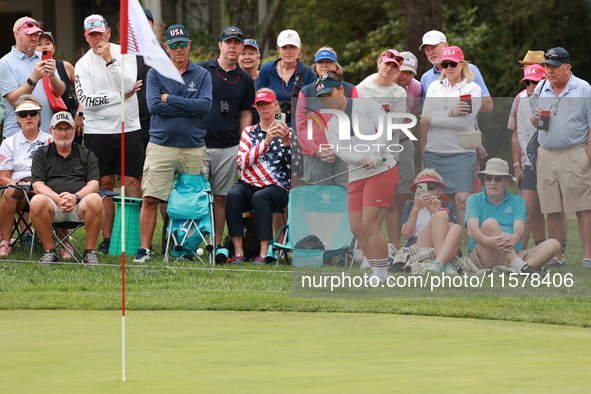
{"type": "Point", "coordinates": [495, 220]}
{"type": "Point", "coordinates": [22, 71]}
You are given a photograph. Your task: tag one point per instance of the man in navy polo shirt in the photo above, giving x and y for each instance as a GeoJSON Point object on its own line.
{"type": "Point", "coordinates": [495, 220]}
{"type": "Point", "coordinates": [233, 97]}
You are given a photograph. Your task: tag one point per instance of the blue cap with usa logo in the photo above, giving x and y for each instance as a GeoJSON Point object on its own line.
{"type": "Point", "coordinates": [176, 33]}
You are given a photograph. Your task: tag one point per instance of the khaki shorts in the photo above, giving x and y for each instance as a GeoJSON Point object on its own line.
{"type": "Point", "coordinates": [60, 216]}
{"type": "Point", "coordinates": [221, 167]}
{"type": "Point", "coordinates": [564, 179]}
{"type": "Point", "coordinates": [498, 261]}
{"type": "Point", "coordinates": [161, 164]}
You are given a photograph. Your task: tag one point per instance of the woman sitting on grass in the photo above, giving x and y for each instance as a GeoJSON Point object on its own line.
{"type": "Point", "coordinates": [428, 222]}
{"type": "Point", "coordinates": [264, 158]}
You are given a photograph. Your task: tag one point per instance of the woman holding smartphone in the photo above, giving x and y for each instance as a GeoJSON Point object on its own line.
{"type": "Point", "coordinates": [264, 158]}
{"type": "Point", "coordinates": [428, 222]}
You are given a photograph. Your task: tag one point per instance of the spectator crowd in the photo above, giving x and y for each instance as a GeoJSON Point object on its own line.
{"type": "Point", "coordinates": [62, 141]}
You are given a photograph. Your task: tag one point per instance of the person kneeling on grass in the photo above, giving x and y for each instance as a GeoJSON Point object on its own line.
{"type": "Point", "coordinates": [495, 220]}
{"type": "Point", "coordinates": [430, 223]}
{"type": "Point", "coordinates": [65, 178]}
{"type": "Point", "coordinates": [264, 160]}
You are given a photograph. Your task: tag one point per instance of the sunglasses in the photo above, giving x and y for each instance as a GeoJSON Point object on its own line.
{"type": "Point", "coordinates": [553, 56]}
{"type": "Point", "coordinates": [95, 23]}
{"type": "Point", "coordinates": [328, 76]}
{"type": "Point", "coordinates": [390, 55]}
{"type": "Point", "coordinates": [527, 82]}
{"type": "Point", "coordinates": [174, 46]}
{"type": "Point", "coordinates": [31, 24]}
{"type": "Point", "coordinates": [452, 64]}
{"type": "Point", "coordinates": [497, 179]}
{"type": "Point", "coordinates": [24, 114]}
{"type": "Point", "coordinates": [229, 33]}
{"type": "Point", "coordinates": [63, 129]}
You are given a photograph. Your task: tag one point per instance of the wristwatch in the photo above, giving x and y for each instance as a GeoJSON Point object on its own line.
{"type": "Point", "coordinates": [78, 199]}
{"type": "Point", "coordinates": [113, 60]}
{"type": "Point", "coordinates": [30, 82]}
{"type": "Point", "coordinates": [80, 114]}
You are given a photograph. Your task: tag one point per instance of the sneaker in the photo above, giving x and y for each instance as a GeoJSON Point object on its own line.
{"type": "Point", "coordinates": [435, 268]}
{"type": "Point", "coordinates": [449, 269]}
{"type": "Point", "coordinates": [258, 260]}
{"type": "Point", "coordinates": [104, 246]}
{"type": "Point", "coordinates": [555, 263]}
{"type": "Point", "coordinates": [142, 255]}
{"type": "Point", "coordinates": [90, 258]}
{"type": "Point", "coordinates": [49, 257]}
{"type": "Point", "coordinates": [528, 269]}
{"type": "Point", "coordinates": [364, 263]}
{"type": "Point", "coordinates": [392, 251]}
{"type": "Point", "coordinates": [237, 260]}
{"type": "Point", "coordinates": [586, 263]}
{"type": "Point", "coordinates": [5, 248]}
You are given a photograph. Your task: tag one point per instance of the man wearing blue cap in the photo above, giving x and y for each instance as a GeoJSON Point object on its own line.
{"type": "Point", "coordinates": [177, 131]}
{"type": "Point", "coordinates": [233, 97]}
{"type": "Point", "coordinates": [564, 155]}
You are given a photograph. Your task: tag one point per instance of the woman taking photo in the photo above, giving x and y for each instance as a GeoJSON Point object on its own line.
{"type": "Point", "coordinates": [286, 75]}
{"type": "Point", "coordinates": [263, 160]}
{"type": "Point", "coordinates": [446, 115]}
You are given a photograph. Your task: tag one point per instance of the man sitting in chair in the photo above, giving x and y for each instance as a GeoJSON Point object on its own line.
{"type": "Point", "coordinates": [65, 178]}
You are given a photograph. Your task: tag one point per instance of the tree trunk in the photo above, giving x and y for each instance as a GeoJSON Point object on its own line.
{"type": "Point", "coordinates": [420, 16]}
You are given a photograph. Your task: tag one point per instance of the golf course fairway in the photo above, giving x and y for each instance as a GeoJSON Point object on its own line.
{"type": "Point", "coordinates": [270, 352]}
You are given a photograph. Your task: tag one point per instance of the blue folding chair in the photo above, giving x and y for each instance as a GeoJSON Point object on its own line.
{"type": "Point", "coordinates": [319, 211]}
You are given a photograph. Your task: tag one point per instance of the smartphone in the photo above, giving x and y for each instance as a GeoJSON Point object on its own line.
{"type": "Point", "coordinates": [46, 55]}
{"type": "Point", "coordinates": [279, 117]}
{"type": "Point", "coordinates": [422, 189]}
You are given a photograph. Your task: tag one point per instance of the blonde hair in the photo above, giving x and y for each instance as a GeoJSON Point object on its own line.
{"type": "Point", "coordinates": [467, 72]}
{"type": "Point", "coordinates": [431, 172]}
{"type": "Point", "coordinates": [340, 69]}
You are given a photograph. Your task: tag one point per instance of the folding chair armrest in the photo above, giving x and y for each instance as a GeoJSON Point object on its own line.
{"type": "Point", "coordinates": [107, 193]}
{"type": "Point", "coordinates": [24, 188]}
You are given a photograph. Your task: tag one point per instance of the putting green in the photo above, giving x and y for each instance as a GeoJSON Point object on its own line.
{"type": "Point", "coordinates": [80, 351]}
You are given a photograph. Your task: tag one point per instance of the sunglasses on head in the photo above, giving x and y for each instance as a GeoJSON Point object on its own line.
{"type": "Point", "coordinates": [174, 46]}
{"type": "Point", "coordinates": [553, 56]}
{"type": "Point", "coordinates": [331, 75]}
{"type": "Point", "coordinates": [452, 64]}
{"type": "Point", "coordinates": [95, 23]}
{"type": "Point", "coordinates": [32, 24]}
{"type": "Point", "coordinates": [527, 82]}
{"type": "Point", "coordinates": [390, 55]}
{"type": "Point", "coordinates": [497, 179]}
{"type": "Point", "coordinates": [228, 33]}
{"type": "Point", "coordinates": [24, 114]}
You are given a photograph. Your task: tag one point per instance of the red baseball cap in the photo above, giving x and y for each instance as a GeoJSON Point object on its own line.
{"type": "Point", "coordinates": [453, 54]}
{"type": "Point", "coordinates": [266, 97]}
{"type": "Point", "coordinates": [534, 72]}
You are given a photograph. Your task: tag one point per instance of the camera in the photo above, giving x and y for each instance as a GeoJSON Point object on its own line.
{"type": "Point", "coordinates": [224, 106]}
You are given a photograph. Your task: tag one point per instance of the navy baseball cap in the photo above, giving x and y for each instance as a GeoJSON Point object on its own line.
{"type": "Point", "coordinates": [149, 14]}
{"type": "Point", "coordinates": [232, 32]}
{"type": "Point", "coordinates": [326, 83]}
{"type": "Point", "coordinates": [176, 33]}
{"type": "Point", "coordinates": [556, 56]}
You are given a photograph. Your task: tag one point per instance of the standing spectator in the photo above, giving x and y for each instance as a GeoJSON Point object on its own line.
{"type": "Point", "coordinates": [98, 84]}
{"type": "Point", "coordinates": [250, 60]}
{"type": "Point", "coordinates": [286, 75]}
{"type": "Point", "coordinates": [16, 157]}
{"type": "Point", "coordinates": [393, 99]}
{"type": "Point", "coordinates": [177, 131]}
{"type": "Point", "coordinates": [142, 75]}
{"type": "Point", "coordinates": [564, 155]}
{"type": "Point", "coordinates": [231, 112]}
{"type": "Point", "coordinates": [523, 130]}
{"type": "Point", "coordinates": [65, 71]}
{"type": "Point", "coordinates": [317, 163]}
{"type": "Point", "coordinates": [22, 72]}
{"type": "Point", "coordinates": [445, 114]}
{"type": "Point", "coordinates": [495, 220]}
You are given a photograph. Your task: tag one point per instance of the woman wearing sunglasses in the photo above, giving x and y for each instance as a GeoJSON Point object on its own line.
{"type": "Point", "coordinates": [428, 222]}
{"type": "Point", "coordinates": [16, 157]}
{"type": "Point", "coordinates": [445, 115]}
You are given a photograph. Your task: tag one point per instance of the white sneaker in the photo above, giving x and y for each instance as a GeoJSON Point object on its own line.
{"type": "Point", "coordinates": [143, 255]}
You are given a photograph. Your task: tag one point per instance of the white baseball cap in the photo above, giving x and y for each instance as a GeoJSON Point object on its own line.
{"type": "Point", "coordinates": [432, 37]}
{"type": "Point", "coordinates": [289, 37]}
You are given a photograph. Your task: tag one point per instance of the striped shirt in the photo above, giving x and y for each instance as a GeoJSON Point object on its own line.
{"type": "Point", "coordinates": [261, 164]}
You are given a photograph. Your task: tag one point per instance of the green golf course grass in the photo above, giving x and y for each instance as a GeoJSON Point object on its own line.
{"type": "Point", "coordinates": [226, 351]}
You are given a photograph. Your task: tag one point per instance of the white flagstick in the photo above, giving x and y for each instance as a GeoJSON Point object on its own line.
{"type": "Point", "coordinates": [123, 214]}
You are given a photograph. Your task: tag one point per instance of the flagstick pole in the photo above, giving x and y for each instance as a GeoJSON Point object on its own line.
{"type": "Point", "coordinates": [123, 40]}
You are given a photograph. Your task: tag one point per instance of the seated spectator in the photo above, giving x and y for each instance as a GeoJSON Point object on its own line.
{"type": "Point", "coordinates": [429, 222]}
{"type": "Point", "coordinates": [16, 156]}
{"type": "Point", "coordinates": [495, 220]}
{"type": "Point", "coordinates": [65, 178]}
{"type": "Point", "coordinates": [264, 160]}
